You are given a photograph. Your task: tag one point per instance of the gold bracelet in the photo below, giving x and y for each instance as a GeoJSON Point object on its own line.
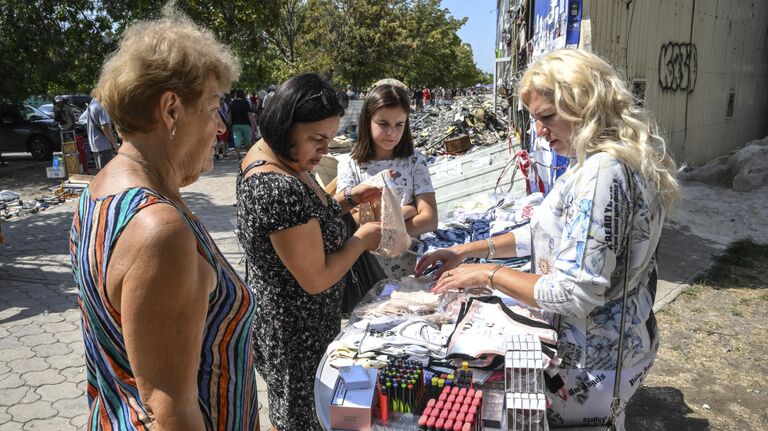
{"type": "Point", "coordinates": [491, 249]}
{"type": "Point", "coordinates": [491, 274]}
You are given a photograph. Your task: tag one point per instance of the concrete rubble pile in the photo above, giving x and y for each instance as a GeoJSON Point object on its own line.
{"type": "Point", "coordinates": [472, 116]}
{"type": "Point", "coordinates": [743, 170]}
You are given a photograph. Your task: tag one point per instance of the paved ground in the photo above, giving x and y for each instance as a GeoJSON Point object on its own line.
{"type": "Point", "coordinates": [41, 350]}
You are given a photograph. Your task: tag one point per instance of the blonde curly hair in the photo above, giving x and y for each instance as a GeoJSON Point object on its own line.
{"type": "Point", "coordinates": [170, 53]}
{"type": "Point", "coordinates": [587, 92]}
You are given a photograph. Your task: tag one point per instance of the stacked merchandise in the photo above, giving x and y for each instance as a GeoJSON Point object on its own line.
{"type": "Point", "coordinates": [524, 384]}
{"type": "Point", "coordinates": [401, 387]}
{"type": "Point", "coordinates": [457, 408]}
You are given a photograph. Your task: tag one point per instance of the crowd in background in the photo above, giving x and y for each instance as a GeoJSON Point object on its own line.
{"type": "Point", "coordinates": [241, 111]}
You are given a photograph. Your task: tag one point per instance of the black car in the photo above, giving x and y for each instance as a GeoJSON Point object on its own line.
{"type": "Point", "coordinates": [25, 129]}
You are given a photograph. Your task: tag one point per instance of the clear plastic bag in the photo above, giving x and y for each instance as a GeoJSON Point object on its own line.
{"type": "Point", "coordinates": [411, 299]}
{"type": "Point", "coordinates": [394, 236]}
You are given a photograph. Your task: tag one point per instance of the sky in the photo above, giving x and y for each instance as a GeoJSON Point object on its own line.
{"type": "Point", "coordinates": [479, 30]}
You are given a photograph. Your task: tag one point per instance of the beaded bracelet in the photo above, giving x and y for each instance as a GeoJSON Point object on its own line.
{"type": "Point", "coordinates": [491, 274]}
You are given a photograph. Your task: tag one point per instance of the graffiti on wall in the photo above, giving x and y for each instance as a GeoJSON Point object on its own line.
{"type": "Point", "coordinates": [678, 66]}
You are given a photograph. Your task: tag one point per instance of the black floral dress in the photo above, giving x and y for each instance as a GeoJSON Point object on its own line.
{"type": "Point", "coordinates": [292, 328]}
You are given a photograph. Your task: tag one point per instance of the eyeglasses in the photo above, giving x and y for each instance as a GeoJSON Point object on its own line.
{"type": "Point", "coordinates": [327, 96]}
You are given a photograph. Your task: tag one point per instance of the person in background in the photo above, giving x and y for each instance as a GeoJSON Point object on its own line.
{"type": "Point", "coordinates": [296, 245]}
{"type": "Point", "coordinates": [257, 108]}
{"type": "Point", "coordinates": [100, 137]}
{"type": "Point", "coordinates": [418, 98]}
{"type": "Point", "coordinates": [265, 100]}
{"type": "Point", "coordinates": [243, 121]}
{"type": "Point", "coordinates": [350, 93]}
{"type": "Point", "coordinates": [599, 226]}
{"type": "Point", "coordinates": [385, 143]}
{"type": "Point", "coordinates": [167, 322]}
{"type": "Point", "coordinates": [222, 139]}
{"type": "Point", "coordinates": [426, 95]}
{"type": "Point", "coordinates": [440, 96]}
{"type": "Point", "coordinates": [252, 100]}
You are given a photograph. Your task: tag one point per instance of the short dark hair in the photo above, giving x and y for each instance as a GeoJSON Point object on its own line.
{"type": "Point", "coordinates": [240, 94]}
{"type": "Point", "coordinates": [304, 98]}
{"type": "Point", "coordinates": [383, 96]}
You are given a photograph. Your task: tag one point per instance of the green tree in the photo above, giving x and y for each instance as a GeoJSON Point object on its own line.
{"type": "Point", "coordinates": [58, 46]}
{"type": "Point", "coordinates": [436, 54]}
{"type": "Point", "coordinates": [352, 41]}
{"type": "Point", "coordinates": [361, 41]}
{"type": "Point", "coordinates": [49, 46]}
{"type": "Point", "coordinates": [241, 24]}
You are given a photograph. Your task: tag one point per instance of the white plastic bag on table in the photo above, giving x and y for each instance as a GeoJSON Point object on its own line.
{"type": "Point", "coordinates": [394, 237]}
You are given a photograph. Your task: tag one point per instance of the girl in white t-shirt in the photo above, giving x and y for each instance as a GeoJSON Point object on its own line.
{"type": "Point", "coordinates": [385, 143]}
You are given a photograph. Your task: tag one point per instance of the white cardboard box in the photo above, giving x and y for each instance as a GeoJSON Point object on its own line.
{"type": "Point", "coordinates": [352, 409]}
{"type": "Point", "coordinates": [55, 172]}
{"type": "Point", "coordinates": [355, 377]}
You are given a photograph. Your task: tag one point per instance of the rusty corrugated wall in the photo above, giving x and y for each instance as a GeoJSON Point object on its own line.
{"type": "Point", "coordinates": [692, 56]}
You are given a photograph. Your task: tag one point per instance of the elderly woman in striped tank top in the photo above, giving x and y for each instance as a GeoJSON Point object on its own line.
{"type": "Point", "coordinates": [167, 322]}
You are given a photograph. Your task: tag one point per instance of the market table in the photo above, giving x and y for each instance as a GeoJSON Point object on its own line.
{"type": "Point", "coordinates": [326, 378]}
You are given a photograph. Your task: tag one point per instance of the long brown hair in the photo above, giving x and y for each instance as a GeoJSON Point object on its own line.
{"type": "Point", "coordinates": [383, 96]}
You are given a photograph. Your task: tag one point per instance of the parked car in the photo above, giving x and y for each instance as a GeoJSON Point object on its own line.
{"type": "Point", "coordinates": [26, 129]}
{"type": "Point", "coordinates": [48, 109]}
{"type": "Point", "coordinates": [79, 100]}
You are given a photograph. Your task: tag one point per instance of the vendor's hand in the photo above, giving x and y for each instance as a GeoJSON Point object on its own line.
{"type": "Point", "coordinates": [463, 277]}
{"type": "Point", "coordinates": [448, 257]}
{"type": "Point", "coordinates": [363, 193]}
{"type": "Point", "coordinates": [370, 234]}
{"type": "Point", "coordinates": [409, 212]}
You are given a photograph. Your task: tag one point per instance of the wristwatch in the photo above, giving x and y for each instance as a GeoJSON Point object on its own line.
{"type": "Point", "coordinates": [348, 197]}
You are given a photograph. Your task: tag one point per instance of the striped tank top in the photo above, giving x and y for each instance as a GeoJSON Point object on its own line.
{"type": "Point", "coordinates": [226, 379]}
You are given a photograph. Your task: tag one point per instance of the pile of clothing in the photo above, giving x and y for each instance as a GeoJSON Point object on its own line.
{"type": "Point", "coordinates": [471, 224]}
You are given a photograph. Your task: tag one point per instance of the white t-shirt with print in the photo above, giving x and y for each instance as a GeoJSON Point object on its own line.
{"type": "Point", "coordinates": [411, 180]}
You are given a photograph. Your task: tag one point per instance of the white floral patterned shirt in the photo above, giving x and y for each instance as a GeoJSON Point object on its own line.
{"type": "Point", "coordinates": [578, 241]}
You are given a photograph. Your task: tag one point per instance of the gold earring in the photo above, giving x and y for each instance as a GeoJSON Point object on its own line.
{"type": "Point", "coordinates": [172, 135]}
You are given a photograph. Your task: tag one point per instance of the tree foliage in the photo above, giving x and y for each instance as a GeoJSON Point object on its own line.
{"type": "Point", "coordinates": [58, 46]}
{"type": "Point", "coordinates": [361, 41]}
{"type": "Point", "coordinates": [48, 46]}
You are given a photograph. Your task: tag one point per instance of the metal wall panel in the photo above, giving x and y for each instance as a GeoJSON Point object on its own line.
{"type": "Point", "coordinates": [691, 54]}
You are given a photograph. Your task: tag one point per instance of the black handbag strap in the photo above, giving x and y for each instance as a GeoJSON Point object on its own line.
{"type": "Point", "coordinates": [254, 164]}
{"type": "Point", "coordinates": [616, 400]}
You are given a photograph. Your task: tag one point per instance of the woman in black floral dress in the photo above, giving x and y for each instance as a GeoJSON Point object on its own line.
{"type": "Point", "coordinates": [296, 244]}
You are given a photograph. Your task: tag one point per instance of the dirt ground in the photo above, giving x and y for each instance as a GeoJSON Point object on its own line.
{"type": "Point", "coordinates": [710, 373]}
